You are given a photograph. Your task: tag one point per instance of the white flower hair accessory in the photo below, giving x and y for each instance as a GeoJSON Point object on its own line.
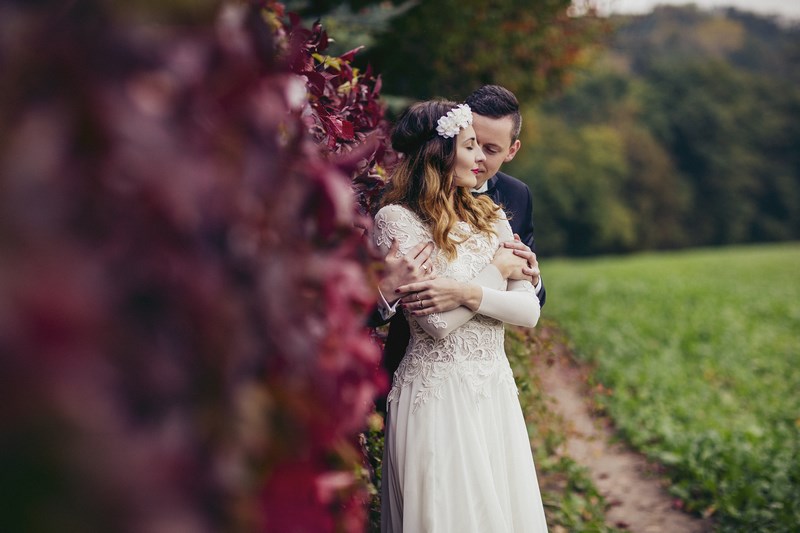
{"type": "Point", "coordinates": [454, 121]}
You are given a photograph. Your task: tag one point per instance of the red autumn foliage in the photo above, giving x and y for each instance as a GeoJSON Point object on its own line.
{"type": "Point", "coordinates": [347, 117]}
{"type": "Point", "coordinates": [182, 285]}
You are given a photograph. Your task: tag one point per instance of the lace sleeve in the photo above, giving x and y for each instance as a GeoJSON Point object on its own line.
{"type": "Point", "coordinates": [396, 222]}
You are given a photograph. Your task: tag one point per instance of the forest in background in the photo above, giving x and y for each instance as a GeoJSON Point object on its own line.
{"type": "Point", "coordinates": [673, 129]}
{"type": "Point", "coordinates": [683, 131]}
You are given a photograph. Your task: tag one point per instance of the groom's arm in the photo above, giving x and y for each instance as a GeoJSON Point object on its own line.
{"type": "Point", "coordinates": [526, 237]}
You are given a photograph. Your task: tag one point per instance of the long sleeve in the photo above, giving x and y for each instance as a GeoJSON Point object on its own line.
{"type": "Point", "coordinates": [513, 302]}
{"type": "Point", "coordinates": [527, 237]}
{"type": "Point", "coordinates": [392, 223]}
{"type": "Point", "coordinates": [525, 231]}
{"type": "Point", "coordinates": [440, 325]}
{"type": "Point", "coordinates": [517, 305]}
{"type": "Point", "coordinates": [385, 309]}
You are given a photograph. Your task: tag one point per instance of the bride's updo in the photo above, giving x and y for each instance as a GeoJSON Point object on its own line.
{"type": "Point", "coordinates": [423, 178]}
{"type": "Point", "coordinates": [417, 127]}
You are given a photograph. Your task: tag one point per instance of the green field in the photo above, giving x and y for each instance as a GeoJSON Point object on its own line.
{"type": "Point", "coordinates": [701, 353]}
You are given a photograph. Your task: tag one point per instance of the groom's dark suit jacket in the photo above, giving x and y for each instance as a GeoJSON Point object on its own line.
{"type": "Point", "coordinates": [515, 199]}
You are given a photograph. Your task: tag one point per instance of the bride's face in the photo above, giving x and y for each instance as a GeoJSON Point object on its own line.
{"type": "Point", "coordinates": [468, 158]}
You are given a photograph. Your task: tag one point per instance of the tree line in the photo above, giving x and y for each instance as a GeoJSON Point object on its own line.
{"type": "Point", "coordinates": [682, 131]}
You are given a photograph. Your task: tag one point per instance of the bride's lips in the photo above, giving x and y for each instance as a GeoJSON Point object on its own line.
{"type": "Point", "coordinates": [476, 171]}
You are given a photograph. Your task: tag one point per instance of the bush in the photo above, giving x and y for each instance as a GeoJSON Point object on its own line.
{"type": "Point", "coordinates": [183, 288]}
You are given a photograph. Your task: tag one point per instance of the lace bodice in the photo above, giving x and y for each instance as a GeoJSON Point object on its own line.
{"type": "Point", "coordinates": [460, 344]}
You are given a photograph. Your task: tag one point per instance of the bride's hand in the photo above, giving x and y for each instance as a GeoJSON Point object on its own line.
{"type": "Point", "coordinates": [510, 265]}
{"type": "Point", "coordinates": [439, 295]}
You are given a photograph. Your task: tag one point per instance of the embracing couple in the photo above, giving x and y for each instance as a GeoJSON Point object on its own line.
{"type": "Point", "coordinates": [457, 237]}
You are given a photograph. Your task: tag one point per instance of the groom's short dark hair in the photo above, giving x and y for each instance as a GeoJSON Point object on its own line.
{"type": "Point", "coordinates": [495, 101]}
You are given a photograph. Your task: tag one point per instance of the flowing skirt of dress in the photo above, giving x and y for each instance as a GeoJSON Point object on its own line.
{"type": "Point", "coordinates": [460, 462]}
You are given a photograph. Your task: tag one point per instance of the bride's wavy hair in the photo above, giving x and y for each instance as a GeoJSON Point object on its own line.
{"type": "Point", "coordinates": [423, 179]}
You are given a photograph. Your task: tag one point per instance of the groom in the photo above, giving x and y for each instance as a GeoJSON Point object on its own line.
{"type": "Point", "coordinates": [497, 121]}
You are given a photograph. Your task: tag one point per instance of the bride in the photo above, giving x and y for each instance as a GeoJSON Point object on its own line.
{"type": "Point", "coordinates": [457, 455]}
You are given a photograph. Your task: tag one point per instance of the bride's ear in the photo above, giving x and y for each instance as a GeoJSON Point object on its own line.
{"type": "Point", "coordinates": [512, 151]}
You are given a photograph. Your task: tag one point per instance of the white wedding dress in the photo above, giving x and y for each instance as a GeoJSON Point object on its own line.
{"type": "Point", "coordinates": [457, 455]}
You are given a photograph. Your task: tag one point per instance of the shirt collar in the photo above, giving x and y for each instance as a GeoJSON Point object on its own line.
{"type": "Point", "coordinates": [482, 189]}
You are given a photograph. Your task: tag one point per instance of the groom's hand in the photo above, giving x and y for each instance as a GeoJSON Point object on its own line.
{"type": "Point", "coordinates": [401, 270]}
{"type": "Point", "coordinates": [509, 264]}
{"type": "Point", "coordinates": [521, 250]}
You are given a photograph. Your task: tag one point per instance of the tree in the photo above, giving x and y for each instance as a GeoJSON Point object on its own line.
{"type": "Point", "coordinates": [657, 194]}
{"type": "Point", "coordinates": [577, 179]}
{"type": "Point", "coordinates": [317, 8]}
{"type": "Point", "coordinates": [709, 140]}
{"type": "Point", "coordinates": [718, 124]}
{"type": "Point", "coordinates": [450, 47]}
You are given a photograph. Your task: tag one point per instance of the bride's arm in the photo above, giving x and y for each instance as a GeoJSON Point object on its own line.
{"type": "Point", "coordinates": [488, 293]}
{"type": "Point", "coordinates": [517, 305]}
{"type": "Point", "coordinates": [441, 305]}
{"type": "Point", "coordinates": [395, 223]}
{"type": "Point", "coordinates": [440, 294]}
{"type": "Point", "coordinates": [500, 291]}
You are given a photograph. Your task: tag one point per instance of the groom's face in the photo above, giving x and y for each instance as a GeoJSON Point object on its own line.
{"type": "Point", "coordinates": [494, 138]}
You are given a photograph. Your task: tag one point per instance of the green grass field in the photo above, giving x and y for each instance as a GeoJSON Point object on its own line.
{"type": "Point", "coordinates": [701, 353]}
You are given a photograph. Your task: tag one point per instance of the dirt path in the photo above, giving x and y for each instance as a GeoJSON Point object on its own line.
{"type": "Point", "coordinates": [636, 495]}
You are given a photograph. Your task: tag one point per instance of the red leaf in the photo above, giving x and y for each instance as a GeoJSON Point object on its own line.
{"type": "Point", "coordinates": [348, 56]}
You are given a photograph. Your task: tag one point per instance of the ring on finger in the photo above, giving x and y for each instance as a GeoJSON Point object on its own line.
{"type": "Point", "coordinates": [416, 295]}
{"type": "Point", "coordinates": [421, 305]}
{"type": "Point", "coordinates": [425, 268]}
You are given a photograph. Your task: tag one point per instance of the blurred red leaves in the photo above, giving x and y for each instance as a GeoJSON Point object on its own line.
{"type": "Point", "coordinates": [182, 285]}
{"type": "Point", "coordinates": [346, 113]}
